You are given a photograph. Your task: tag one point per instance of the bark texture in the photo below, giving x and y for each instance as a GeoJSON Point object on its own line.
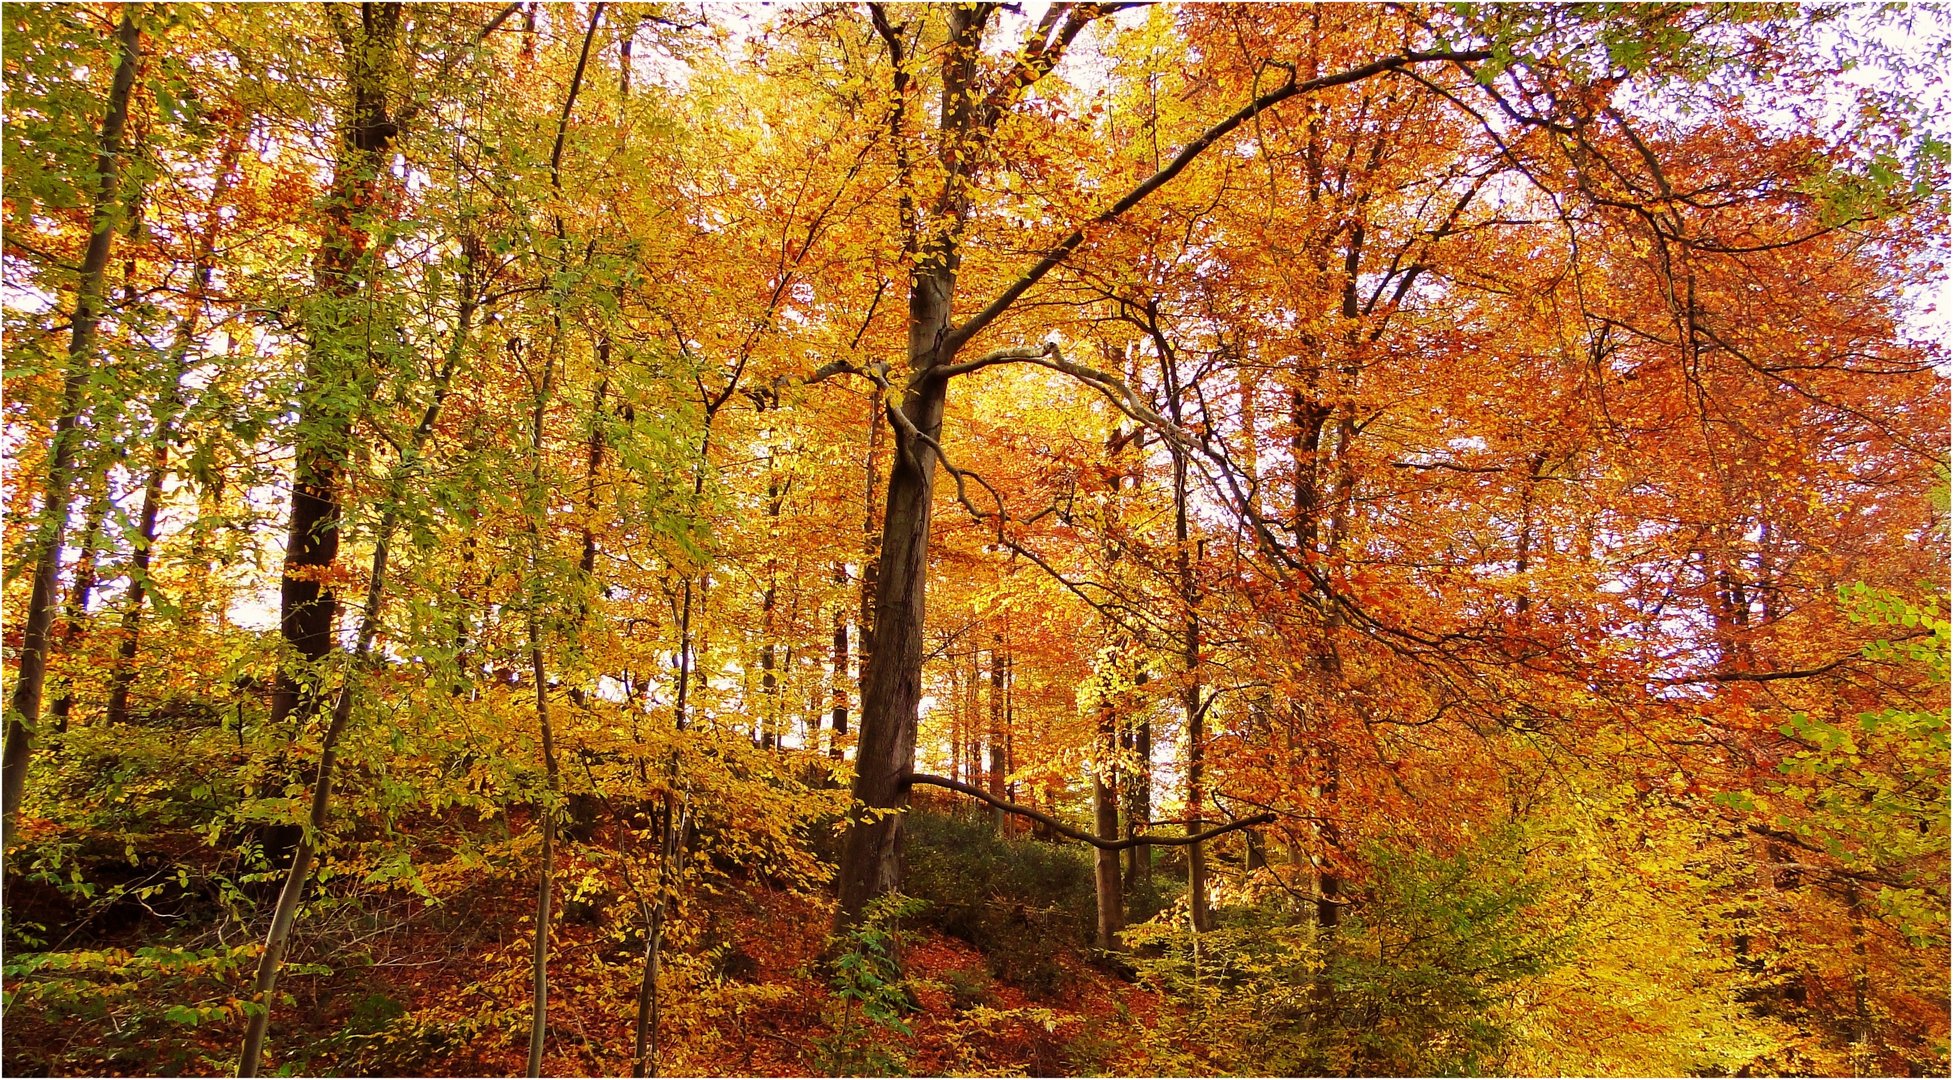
{"type": "Point", "coordinates": [24, 707]}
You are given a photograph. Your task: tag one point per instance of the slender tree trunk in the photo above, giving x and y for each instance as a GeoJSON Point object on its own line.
{"type": "Point", "coordinates": [285, 912]}
{"type": "Point", "coordinates": [546, 809]}
{"type": "Point", "coordinates": [122, 675]}
{"type": "Point", "coordinates": [1010, 731]}
{"type": "Point", "coordinates": [539, 674]}
{"type": "Point", "coordinates": [546, 887]}
{"type": "Point", "coordinates": [838, 722]}
{"type": "Point", "coordinates": [959, 758]}
{"type": "Point", "coordinates": [24, 706]}
{"type": "Point", "coordinates": [644, 1057]}
{"type": "Point", "coordinates": [1139, 798]}
{"type": "Point", "coordinates": [871, 552]}
{"type": "Point", "coordinates": [672, 819]}
{"type": "Point", "coordinates": [1864, 1053]}
{"type": "Point", "coordinates": [75, 618]}
{"type": "Point", "coordinates": [1196, 789]}
{"type": "Point", "coordinates": [88, 565]}
{"type": "Point", "coordinates": [972, 707]}
{"type": "Point", "coordinates": [998, 768]}
{"type": "Point", "coordinates": [1191, 695]}
{"type": "Point", "coordinates": [770, 718]}
{"type": "Point", "coordinates": [1105, 812]}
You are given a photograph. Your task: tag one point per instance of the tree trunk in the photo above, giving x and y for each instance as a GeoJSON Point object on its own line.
{"type": "Point", "coordinates": [24, 707]}
{"type": "Point", "coordinates": [333, 376]}
{"type": "Point", "coordinates": [1196, 797]}
{"type": "Point", "coordinates": [767, 726]}
{"type": "Point", "coordinates": [1864, 1048]}
{"type": "Point", "coordinates": [644, 1058]}
{"type": "Point", "coordinates": [1139, 796]}
{"type": "Point", "coordinates": [1105, 813]}
{"type": "Point", "coordinates": [998, 768]}
{"type": "Point", "coordinates": [1010, 733]}
{"type": "Point", "coordinates": [838, 722]}
{"type": "Point", "coordinates": [871, 551]}
{"type": "Point", "coordinates": [1195, 708]}
{"type": "Point", "coordinates": [75, 619]}
{"type": "Point", "coordinates": [972, 708]}
{"type": "Point", "coordinates": [546, 810]}
{"type": "Point", "coordinates": [892, 679]}
{"type": "Point", "coordinates": [122, 676]}
{"type": "Point", "coordinates": [285, 912]}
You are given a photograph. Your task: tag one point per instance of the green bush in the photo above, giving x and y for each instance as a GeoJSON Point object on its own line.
{"type": "Point", "coordinates": [1019, 902]}
{"type": "Point", "coordinates": [1418, 980]}
{"type": "Point", "coordinates": [871, 998]}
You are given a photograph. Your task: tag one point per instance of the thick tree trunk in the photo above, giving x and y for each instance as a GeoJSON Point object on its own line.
{"type": "Point", "coordinates": [307, 607]}
{"type": "Point", "coordinates": [892, 680]}
{"type": "Point", "coordinates": [892, 675]}
{"type": "Point", "coordinates": [24, 707]}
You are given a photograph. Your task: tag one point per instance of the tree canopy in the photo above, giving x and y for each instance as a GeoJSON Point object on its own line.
{"type": "Point", "coordinates": [1076, 538]}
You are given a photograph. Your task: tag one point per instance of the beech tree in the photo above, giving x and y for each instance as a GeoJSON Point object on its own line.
{"type": "Point", "coordinates": [1344, 539]}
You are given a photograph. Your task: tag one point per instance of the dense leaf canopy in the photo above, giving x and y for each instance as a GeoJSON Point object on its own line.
{"type": "Point", "coordinates": [1330, 539]}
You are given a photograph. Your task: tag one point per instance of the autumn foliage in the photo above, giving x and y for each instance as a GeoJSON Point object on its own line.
{"type": "Point", "coordinates": [1072, 539]}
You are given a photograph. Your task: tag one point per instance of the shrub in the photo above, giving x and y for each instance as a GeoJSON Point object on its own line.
{"type": "Point", "coordinates": [871, 997]}
{"type": "Point", "coordinates": [1019, 902]}
{"type": "Point", "coordinates": [1418, 980]}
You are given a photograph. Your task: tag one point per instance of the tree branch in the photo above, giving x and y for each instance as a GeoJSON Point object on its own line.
{"type": "Point", "coordinates": [997, 356]}
{"type": "Point", "coordinates": [1755, 676]}
{"type": "Point", "coordinates": [832, 368]}
{"type": "Point", "coordinates": [1062, 250]}
{"type": "Point", "coordinates": [1084, 837]}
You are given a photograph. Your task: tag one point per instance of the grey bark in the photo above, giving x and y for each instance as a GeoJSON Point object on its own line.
{"type": "Point", "coordinates": [24, 707]}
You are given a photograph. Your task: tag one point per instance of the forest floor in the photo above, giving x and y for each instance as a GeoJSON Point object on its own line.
{"type": "Point", "coordinates": [416, 987]}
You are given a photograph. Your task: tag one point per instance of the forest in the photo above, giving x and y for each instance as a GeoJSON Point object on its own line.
{"type": "Point", "coordinates": [1055, 539]}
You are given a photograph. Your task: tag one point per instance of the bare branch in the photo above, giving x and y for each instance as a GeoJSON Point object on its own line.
{"type": "Point", "coordinates": [832, 368]}
{"type": "Point", "coordinates": [1084, 837]}
{"type": "Point", "coordinates": [1756, 676]}
{"type": "Point", "coordinates": [998, 356]}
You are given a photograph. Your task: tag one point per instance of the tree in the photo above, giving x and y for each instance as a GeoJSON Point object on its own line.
{"type": "Point", "coordinates": [24, 705]}
{"type": "Point", "coordinates": [1434, 563]}
{"type": "Point", "coordinates": [974, 103]}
